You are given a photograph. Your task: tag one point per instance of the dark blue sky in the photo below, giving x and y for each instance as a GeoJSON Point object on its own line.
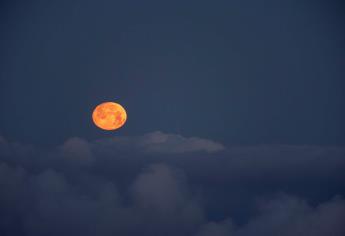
{"type": "Point", "coordinates": [235, 118]}
{"type": "Point", "coordinates": [239, 72]}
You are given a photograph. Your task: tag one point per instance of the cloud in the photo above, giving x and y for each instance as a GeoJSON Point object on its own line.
{"type": "Point", "coordinates": [223, 228]}
{"type": "Point", "coordinates": [292, 216]}
{"type": "Point", "coordinates": [78, 150]}
{"type": "Point", "coordinates": [285, 215]}
{"type": "Point", "coordinates": [125, 186]}
{"type": "Point", "coordinates": [159, 142]}
{"type": "Point", "coordinates": [56, 205]}
{"type": "Point", "coordinates": [161, 198]}
{"type": "Point", "coordinates": [4, 147]}
{"type": "Point", "coordinates": [170, 195]}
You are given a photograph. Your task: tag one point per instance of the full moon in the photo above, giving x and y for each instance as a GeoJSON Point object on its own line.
{"type": "Point", "coordinates": [109, 116]}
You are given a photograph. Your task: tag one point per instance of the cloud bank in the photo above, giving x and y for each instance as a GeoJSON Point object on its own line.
{"type": "Point", "coordinates": [159, 142]}
{"type": "Point", "coordinates": [166, 184]}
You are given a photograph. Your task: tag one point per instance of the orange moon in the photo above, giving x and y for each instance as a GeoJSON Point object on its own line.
{"type": "Point", "coordinates": [109, 116]}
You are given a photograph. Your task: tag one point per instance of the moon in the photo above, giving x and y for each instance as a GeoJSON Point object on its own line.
{"type": "Point", "coordinates": [109, 116]}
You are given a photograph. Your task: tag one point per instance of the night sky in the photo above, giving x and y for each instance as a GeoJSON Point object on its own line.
{"type": "Point", "coordinates": [235, 118]}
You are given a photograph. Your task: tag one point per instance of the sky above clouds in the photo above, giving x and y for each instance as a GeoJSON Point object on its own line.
{"type": "Point", "coordinates": [239, 72]}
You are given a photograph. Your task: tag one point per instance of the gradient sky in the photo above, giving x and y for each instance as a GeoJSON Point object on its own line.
{"type": "Point", "coordinates": [235, 118]}
{"type": "Point", "coordinates": [240, 72]}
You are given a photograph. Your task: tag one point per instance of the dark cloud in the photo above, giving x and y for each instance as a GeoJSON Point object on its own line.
{"type": "Point", "coordinates": [77, 149]}
{"type": "Point", "coordinates": [291, 216]}
{"type": "Point", "coordinates": [287, 216]}
{"type": "Point", "coordinates": [223, 228]}
{"type": "Point", "coordinates": [166, 184]}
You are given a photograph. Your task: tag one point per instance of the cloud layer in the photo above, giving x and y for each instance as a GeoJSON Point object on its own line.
{"type": "Point", "coordinates": [159, 142]}
{"type": "Point", "coordinates": [166, 184]}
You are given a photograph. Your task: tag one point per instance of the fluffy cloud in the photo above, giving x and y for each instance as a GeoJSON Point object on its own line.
{"type": "Point", "coordinates": [291, 216]}
{"type": "Point", "coordinates": [223, 228]}
{"type": "Point", "coordinates": [49, 203]}
{"type": "Point", "coordinates": [107, 187]}
{"type": "Point", "coordinates": [159, 142]}
{"type": "Point", "coordinates": [287, 216]}
{"type": "Point", "coordinates": [77, 149]}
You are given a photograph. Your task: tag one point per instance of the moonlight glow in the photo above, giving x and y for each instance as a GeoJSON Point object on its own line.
{"type": "Point", "coordinates": [109, 116]}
